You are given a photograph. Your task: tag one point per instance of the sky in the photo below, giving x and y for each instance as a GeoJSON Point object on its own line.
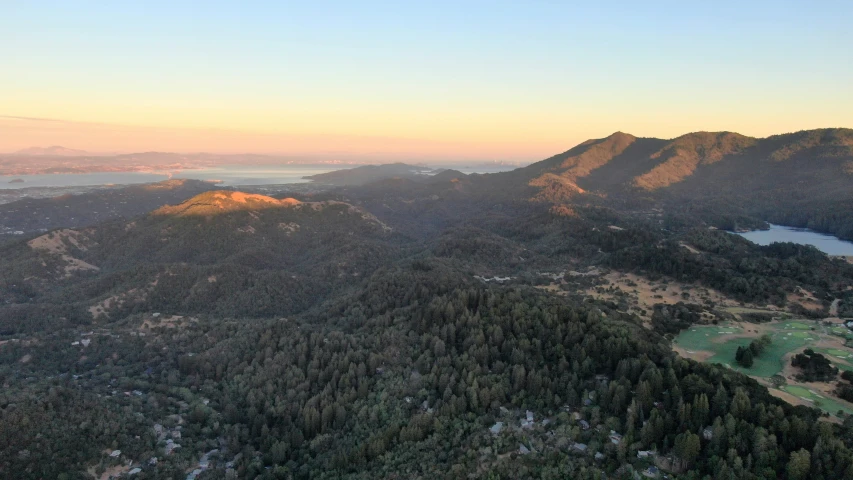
{"type": "Point", "coordinates": [433, 80]}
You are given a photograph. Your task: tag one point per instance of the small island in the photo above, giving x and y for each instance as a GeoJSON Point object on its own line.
{"type": "Point", "coordinates": [16, 180]}
{"type": "Point", "coordinates": [372, 173]}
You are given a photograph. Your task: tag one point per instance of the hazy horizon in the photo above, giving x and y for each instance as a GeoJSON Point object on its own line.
{"type": "Point", "coordinates": [436, 82]}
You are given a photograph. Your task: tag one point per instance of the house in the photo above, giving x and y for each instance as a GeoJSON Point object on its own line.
{"type": "Point", "coordinates": [579, 447]}
{"type": "Point", "coordinates": [646, 453]}
{"type": "Point", "coordinates": [708, 433]}
{"type": "Point", "coordinates": [523, 449]}
{"type": "Point", "coordinates": [584, 424]}
{"type": "Point", "coordinates": [615, 438]}
{"type": "Point", "coordinates": [496, 428]}
{"type": "Point", "coordinates": [204, 462]}
{"type": "Point", "coordinates": [171, 446]}
{"type": "Point", "coordinates": [599, 456]}
{"type": "Point", "coordinates": [115, 453]}
{"type": "Point", "coordinates": [652, 472]}
{"type": "Point", "coordinates": [134, 471]}
{"type": "Point", "coordinates": [527, 422]}
{"type": "Point", "coordinates": [587, 402]}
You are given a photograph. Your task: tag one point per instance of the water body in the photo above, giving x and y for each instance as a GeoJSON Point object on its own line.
{"type": "Point", "coordinates": [228, 175]}
{"type": "Point", "coordinates": [232, 175]}
{"type": "Point", "coordinates": [779, 233]}
{"type": "Point", "coordinates": [483, 168]}
{"type": "Point", "coordinates": [78, 179]}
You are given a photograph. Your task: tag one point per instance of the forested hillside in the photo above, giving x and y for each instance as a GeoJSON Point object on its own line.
{"type": "Point", "coordinates": [81, 210]}
{"type": "Point", "coordinates": [801, 179]}
{"type": "Point", "coordinates": [466, 326]}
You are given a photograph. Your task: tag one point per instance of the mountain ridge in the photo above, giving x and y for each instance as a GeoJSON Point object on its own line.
{"type": "Point", "coordinates": [662, 163]}
{"type": "Point", "coordinates": [53, 150]}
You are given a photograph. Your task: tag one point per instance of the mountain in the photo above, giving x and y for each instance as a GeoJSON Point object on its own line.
{"type": "Point", "coordinates": [54, 151]}
{"type": "Point", "coordinates": [696, 159]}
{"type": "Point", "coordinates": [223, 201]}
{"type": "Point", "coordinates": [803, 179]}
{"type": "Point", "coordinates": [80, 210]}
{"type": "Point", "coordinates": [198, 255]}
{"type": "Point", "coordinates": [372, 173]}
{"type": "Point", "coordinates": [512, 325]}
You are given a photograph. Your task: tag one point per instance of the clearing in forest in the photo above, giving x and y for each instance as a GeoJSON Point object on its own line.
{"type": "Point", "coordinates": [719, 343]}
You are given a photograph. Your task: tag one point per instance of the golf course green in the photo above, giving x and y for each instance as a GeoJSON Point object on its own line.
{"type": "Point", "coordinates": [722, 341]}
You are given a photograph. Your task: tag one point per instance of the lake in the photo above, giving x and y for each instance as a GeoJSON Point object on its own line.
{"type": "Point", "coordinates": [779, 233]}
{"type": "Point", "coordinates": [229, 175]}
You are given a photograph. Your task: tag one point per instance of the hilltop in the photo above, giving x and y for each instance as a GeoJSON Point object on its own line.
{"type": "Point", "coordinates": [71, 211]}
{"type": "Point", "coordinates": [207, 246]}
{"type": "Point", "coordinates": [54, 151]}
{"type": "Point", "coordinates": [218, 202]}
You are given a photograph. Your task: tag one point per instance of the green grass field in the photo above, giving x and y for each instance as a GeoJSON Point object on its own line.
{"type": "Point", "coordinates": [787, 337]}
{"type": "Point", "coordinates": [767, 364]}
{"type": "Point", "coordinates": [839, 353]}
{"type": "Point", "coordinates": [842, 332]}
{"type": "Point", "coordinates": [801, 392]}
{"type": "Point", "coordinates": [795, 326]}
{"type": "Point", "coordinates": [816, 399]}
{"type": "Point", "coordinates": [749, 310]}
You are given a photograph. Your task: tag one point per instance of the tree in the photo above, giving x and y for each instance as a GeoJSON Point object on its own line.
{"type": "Point", "coordinates": [747, 359]}
{"type": "Point", "coordinates": [687, 448]}
{"type": "Point", "coordinates": [741, 404]}
{"type": "Point", "coordinates": [799, 465]}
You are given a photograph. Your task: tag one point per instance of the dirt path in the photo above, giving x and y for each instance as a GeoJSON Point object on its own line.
{"type": "Point", "coordinates": [698, 355]}
{"type": "Point", "coordinates": [833, 309]}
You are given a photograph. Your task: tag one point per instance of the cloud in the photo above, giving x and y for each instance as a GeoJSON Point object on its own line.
{"type": "Point", "coordinates": [34, 119]}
